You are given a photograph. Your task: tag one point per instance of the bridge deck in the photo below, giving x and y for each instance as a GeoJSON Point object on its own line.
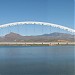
{"type": "Point", "coordinates": [32, 43]}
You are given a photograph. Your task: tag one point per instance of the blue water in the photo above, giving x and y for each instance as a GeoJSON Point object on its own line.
{"type": "Point", "coordinates": [53, 60]}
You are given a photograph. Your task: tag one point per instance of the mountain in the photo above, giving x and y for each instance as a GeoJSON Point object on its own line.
{"type": "Point", "coordinates": [13, 37]}
{"type": "Point", "coordinates": [59, 35]}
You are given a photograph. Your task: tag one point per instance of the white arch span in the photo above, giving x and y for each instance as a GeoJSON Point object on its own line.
{"type": "Point", "coordinates": [38, 23]}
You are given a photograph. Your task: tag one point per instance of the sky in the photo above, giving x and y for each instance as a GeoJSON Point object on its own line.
{"type": "Point", "coordinates": [53, 11]}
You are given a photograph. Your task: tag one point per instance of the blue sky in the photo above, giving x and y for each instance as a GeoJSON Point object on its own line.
{"type": "Point", "coordinates": [54, 11]}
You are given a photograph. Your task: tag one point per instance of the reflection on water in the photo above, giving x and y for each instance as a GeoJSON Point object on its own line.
{"type": "Point", "coordinates": [55, 60]}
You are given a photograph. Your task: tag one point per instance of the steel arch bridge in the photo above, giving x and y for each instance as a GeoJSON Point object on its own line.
{"type": "Point", "coordinates": [38, 23]}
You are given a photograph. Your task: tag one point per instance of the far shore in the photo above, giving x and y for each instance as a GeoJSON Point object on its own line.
{"type": "Point", "coordinates": [37, 43]}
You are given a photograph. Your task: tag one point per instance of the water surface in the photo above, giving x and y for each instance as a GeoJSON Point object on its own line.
{"type": "Point", "coordinates": [53, 60]}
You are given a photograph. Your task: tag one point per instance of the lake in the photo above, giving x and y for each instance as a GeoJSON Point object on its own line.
{"type": "Point", "coordinates": [45, 60]}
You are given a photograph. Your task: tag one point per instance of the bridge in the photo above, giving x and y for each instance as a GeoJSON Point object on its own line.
{"type": "Point", "coordinates": [35, 43]}
{"type": "Point", "coordinates": [41, 24]}
{"type": "Point", "coordinates": [38, 23]}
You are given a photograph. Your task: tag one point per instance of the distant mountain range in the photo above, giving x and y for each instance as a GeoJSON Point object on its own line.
{"type": "Point", "coordinates": [52, 37]}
